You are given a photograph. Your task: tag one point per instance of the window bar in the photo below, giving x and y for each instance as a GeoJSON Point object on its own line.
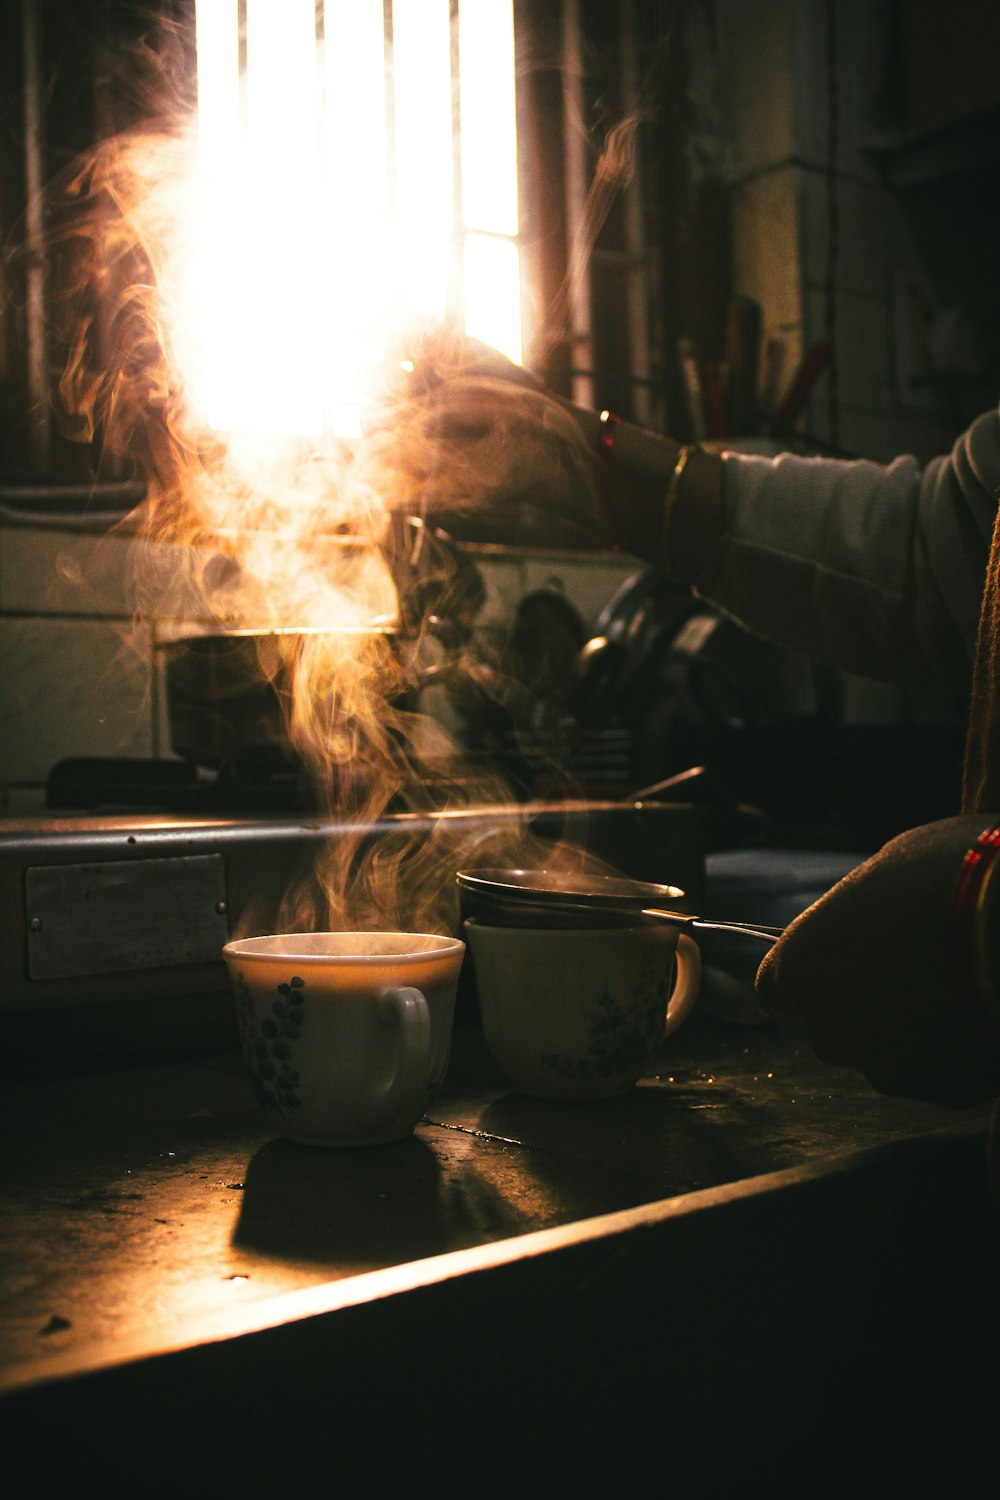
{"type": "Point", "coordinates": [241, 44]}
{"type": "Point", "coordinates": [390, 118]}
{"type": "Point", "coordinates": [39, 435]}
{"type": "Point", "coordinates": [637, 288]}
{"type": "Point", "coordinates": [423, 140]}
{"type": "Point", "coordinates": [455, 285]}
{"type": "Point", "coordinates": [357, 222]}
{"type": "Point", "coordinates": [426, 214]}
{"type": "Point", "coordinates": [492, 249]}
{"type": "Point", "coordinates": [578, 275]}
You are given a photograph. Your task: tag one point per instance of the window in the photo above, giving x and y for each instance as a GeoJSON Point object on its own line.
{"type": "Point", "coordinates": [359, 161]}
{"type": "Point", "coordinates": [358, 172]}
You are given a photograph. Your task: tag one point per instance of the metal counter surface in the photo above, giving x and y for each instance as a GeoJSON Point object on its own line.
{"type": "Point", "coordinates": [152, 1208]}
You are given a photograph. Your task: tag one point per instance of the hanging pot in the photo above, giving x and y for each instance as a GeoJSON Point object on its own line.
{"type": "Point", "coordinates": [225, 691]}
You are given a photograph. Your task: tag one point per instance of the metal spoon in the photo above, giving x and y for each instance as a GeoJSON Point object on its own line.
{"type": "Point", "coordinates": [518, 897]}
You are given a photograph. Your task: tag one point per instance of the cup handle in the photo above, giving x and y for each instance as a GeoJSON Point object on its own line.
{"type": "Point", "coordinates": [686, 982]}
{"type": "Point", "coordinates": [405, 1008]}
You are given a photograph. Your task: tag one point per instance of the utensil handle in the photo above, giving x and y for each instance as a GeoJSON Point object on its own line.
{"type": "Point", "coordinates": [757, 930]}
{"type": "Point", "coordinates": [687, 980]}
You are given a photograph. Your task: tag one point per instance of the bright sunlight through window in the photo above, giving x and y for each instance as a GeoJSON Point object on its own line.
{"type": "Point", "coordinates": [355, 178]}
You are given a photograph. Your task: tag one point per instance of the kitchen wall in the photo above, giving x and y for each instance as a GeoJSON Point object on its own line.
{"type": "Point", "coordinates": [78, 676]}
{"type": "Point", "coordinates": [833, 228]}
{"type": "Point", "coordinates": [859, 143]}
{"type": "Point", "coordinates": [75, 672]}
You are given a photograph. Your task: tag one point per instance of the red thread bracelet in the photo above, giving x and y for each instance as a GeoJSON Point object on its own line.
{"type": "Point", "coordinates": [968, 935]}
{"type": "Point", "coordinates": [606, 444]}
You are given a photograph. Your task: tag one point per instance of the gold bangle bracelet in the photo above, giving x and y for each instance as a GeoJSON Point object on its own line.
{"type": "Point", "coordinates": [670, 499]}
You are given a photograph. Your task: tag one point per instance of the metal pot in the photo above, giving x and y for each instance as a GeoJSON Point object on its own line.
{"type": "Point", "coordinates": [573, 898]}
{"type": "Point", "coordinates": [225, 690]}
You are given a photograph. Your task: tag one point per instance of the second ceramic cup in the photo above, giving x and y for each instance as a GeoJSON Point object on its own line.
{"type": "Point", "coordinates": [578, 1014]}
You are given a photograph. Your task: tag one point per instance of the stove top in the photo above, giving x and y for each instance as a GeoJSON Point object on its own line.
{"type": "Point", "coordinates": [262, 778]}
{"type": "Point", "coordinates": [124, 905]}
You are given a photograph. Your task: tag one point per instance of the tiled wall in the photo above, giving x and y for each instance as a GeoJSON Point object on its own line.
{"type": "Point", "coordinates": [811, 213]}
{"type": "Point", "coordinates": [78, 674]}
{"type": "Point", "coordinates": [74, 671]}
{"type": "Point", "coordinates": [814, 227]}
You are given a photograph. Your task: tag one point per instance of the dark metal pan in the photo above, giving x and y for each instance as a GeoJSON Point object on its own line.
{"type": "Point", "coordinates": [559, 898]}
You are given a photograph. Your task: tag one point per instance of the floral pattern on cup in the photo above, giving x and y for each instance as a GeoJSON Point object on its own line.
{"type": "Point", "coordinates": [269, 1048]}
{"type": "Point", "coordinates": [623, 1034]}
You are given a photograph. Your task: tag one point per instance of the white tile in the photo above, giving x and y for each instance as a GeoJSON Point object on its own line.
{"type": "Point", "coordinates": [775, 56]}
{"type": "Point", "coordinates": [588, 585]}
{"type": "Point", "coordinates": [44, 570]}
{"type": "Point", "coordinates": [756, 54]}
{"type": "Point", "coordinates": [861, 340]}
{"type": "Point", "coordinates": [883, 436]}
{"type": "Point", "coordinates": [70, 687]}
{"type": "Point", "coordinates": [872, 422]}
{"type": "Point", "coordinates": [872, 234]}
{"type": "Point", "coordinates": [59, 570]}
{"type": "Point", "coordinates": [863, 52]}
{"type": "Point", "coordinates": [766, 261]}
{"type": "Point", "coordinates": [503, 581]}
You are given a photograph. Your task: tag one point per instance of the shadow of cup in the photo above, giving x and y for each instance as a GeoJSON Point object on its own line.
{"type": "Point", "coordinates": [331, 1207]}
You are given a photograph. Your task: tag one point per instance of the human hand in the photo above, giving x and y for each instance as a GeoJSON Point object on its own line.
{"type": "Point", "coordinates": [422, 362]}
{"type": "Point", "coordinates": [463, 434]}
{"type": "Point", "coordinates": [866, 970]}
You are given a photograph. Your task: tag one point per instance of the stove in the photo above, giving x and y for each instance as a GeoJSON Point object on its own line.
{"type": "Point", "coordinates": [121, 907]}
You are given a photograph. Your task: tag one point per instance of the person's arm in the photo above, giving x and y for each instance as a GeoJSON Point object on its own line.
{"type": "Point", "coordinates": [661, 501]}
{"type": "Point", "coordinates": [868, 567]}
{"type": "Point", "coordinates": [876, 568]}
{"type": "Point", "coordinates": [872, 568]}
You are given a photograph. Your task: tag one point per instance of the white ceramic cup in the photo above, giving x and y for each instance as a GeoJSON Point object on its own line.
{"type": "Point", "coordinates": [346, 1035]}
{"type": "Point", "coordinates": [578, 1014]}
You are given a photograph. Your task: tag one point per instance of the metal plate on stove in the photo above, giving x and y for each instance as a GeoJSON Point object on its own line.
{"type": "Point", "coordinates": [121, 915]}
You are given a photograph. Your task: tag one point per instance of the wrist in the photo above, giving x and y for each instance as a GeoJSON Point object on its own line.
{"type": "Point", "coordinates": [660, 500]}
{"type": "Point", "coordinates": [695, 514]}
{"type": "Point", "coordinates": [634, 472]}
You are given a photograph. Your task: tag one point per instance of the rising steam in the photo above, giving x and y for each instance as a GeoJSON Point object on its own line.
{"type": "Point", "coordinates": [300, 539]}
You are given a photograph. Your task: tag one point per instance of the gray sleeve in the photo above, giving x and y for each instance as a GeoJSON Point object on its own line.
{"type": "Point", "coordinates": [876, 569]}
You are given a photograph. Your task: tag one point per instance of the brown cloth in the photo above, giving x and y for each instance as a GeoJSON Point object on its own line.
{"type": "Point", "coordinates": [981, 791]}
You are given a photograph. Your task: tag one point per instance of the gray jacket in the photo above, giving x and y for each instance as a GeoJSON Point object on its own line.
{"type": "Point", "coordinates": [876, 569]}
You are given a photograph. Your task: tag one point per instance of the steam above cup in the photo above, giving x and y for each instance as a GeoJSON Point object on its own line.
{"type": "Point", "coordinates": [346, 1036]}
{"type": "Point", "coordinates": [579, 1013]}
